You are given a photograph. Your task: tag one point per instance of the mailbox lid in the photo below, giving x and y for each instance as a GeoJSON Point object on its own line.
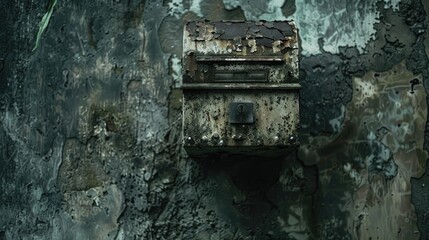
{"type": "Point", "coordinates": [240, 51]}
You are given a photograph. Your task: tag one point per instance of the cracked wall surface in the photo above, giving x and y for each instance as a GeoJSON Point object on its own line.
{"type": "Point", "coordinates": [90, 125]}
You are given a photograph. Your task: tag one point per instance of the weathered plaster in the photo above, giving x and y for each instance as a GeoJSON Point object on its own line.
{"type": "Point", "coordinates": [90, 126]}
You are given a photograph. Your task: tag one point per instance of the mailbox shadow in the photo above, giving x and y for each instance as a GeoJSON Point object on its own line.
{"type": "Point", "coordinates": [250, 173]}
{"type": "Point", "coordinates": [251, 191]}
{"type": "Point", "coordinates": [243, 184]}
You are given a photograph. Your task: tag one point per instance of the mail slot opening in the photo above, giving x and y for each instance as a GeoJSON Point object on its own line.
{"type": "Point", "coordinates": [241, 76]}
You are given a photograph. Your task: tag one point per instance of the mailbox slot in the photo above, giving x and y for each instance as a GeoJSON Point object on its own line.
{"type": "Point", "coordinates": [240, 76]}
{"type": "Point", "coordinates": [236, 59]}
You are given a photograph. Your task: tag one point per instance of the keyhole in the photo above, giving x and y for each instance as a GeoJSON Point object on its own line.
{"type": "Point", "coordinates": [241, 113]}
{"type": "Point", "coordinates": [241, 108]}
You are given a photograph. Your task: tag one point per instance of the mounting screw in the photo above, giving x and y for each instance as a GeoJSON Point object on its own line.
{"type": "Point", "coordinates": [189, 140]}
{"type": "Point", "coordinates": [215, 136]}
{"type": "Point", "coordinates": [238, 138]}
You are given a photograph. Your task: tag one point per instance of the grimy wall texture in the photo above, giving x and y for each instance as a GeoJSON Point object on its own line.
{"type": "Point", "coordinates": [90, 125]}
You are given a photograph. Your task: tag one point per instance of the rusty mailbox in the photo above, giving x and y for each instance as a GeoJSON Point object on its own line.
{"type": "Point", "coordinates": [240, 88]}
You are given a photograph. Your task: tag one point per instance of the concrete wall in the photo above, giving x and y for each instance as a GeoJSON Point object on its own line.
{"type": "Point", "coordinates": [90, 125]}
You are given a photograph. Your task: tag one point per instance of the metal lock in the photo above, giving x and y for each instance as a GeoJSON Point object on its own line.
{"type": "Point", "coordinates": [241, 113]}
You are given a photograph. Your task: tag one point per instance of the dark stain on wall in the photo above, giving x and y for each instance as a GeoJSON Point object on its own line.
{"type": "Point", "coordinates": [323, 84]}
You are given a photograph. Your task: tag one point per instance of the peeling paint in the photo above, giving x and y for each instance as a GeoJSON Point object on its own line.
{"type": "Point", "coordinates": [258, 10]}
{"type": "Point", "coordinates": [394, 4]}
{"type": "Point", "coordinates": [338, 25]}
{"type": "Point", "coordinates": [90, 125]}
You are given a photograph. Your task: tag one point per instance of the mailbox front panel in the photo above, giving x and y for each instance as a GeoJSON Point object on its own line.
{"type": "Point", "coordinates": [207, 120]}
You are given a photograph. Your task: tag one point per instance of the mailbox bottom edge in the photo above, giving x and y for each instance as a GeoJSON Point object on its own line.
{"type": "Point", "coordinates": [230, 152]}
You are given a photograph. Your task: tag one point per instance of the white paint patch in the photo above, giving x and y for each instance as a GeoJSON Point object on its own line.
{"type": "Point", "coordinates": [394, 4]}
{"type": "Point", "coordinates": [336, 122]}
{"type": "Point", "coordinates": [176, 67]}
{"type": "Point", "coordinates": [175, 8]}
{"type": "Point", "coordinates": [258, 10]}
{"type": "Point", "coordinates": [196, 8]}
{"type": "Point", "coordinates": [274, 11]}
{"type": "Point", "coordinates": [231, 4]}
{"type": "Point", "coordinates": [364, 90]}
{"type": "Point", "coordinates": [103, 68]}
{"type": "Point", "coordinates": [341, 24]}
{"type": "Point", "coordinates": [357, 178]}
{"type": "Point", "coordinates": [347, 167]}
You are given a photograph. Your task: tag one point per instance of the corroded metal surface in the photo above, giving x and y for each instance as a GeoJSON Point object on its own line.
{"type": "Point", "coordinates": [270, 48]}
{"type": "Point", "coordinates": [231, 62]}
{"type": "Point", "coordinates": [206, 122]}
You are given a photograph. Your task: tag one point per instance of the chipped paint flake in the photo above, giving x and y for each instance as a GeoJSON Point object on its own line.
{"type": "Point", "coordinates": [258, 10]}
{"type": "Point", "coordinates": [176, 8]}
{"type": "Point", "coordinates": [196, 8]}
{"type": "Point", "coordinates": [364, 90]}
{"type": "Point", "coordinates": [394, 4]}
{"type": "Point", "coordinates": [176, 66]}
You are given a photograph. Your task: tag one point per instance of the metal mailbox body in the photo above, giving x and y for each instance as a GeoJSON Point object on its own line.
{"type": "Point", "coordinates": [240, 88]}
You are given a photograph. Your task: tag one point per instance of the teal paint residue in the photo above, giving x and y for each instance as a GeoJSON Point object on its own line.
{"type": "Point", "coordinates": [338, 24]}
{"type": "Point", "coordinates": [258, 10]}
{"type": "Point", "coordinates": [394, 4]}
{"type": "Point", "coordinates": [177, 8]}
